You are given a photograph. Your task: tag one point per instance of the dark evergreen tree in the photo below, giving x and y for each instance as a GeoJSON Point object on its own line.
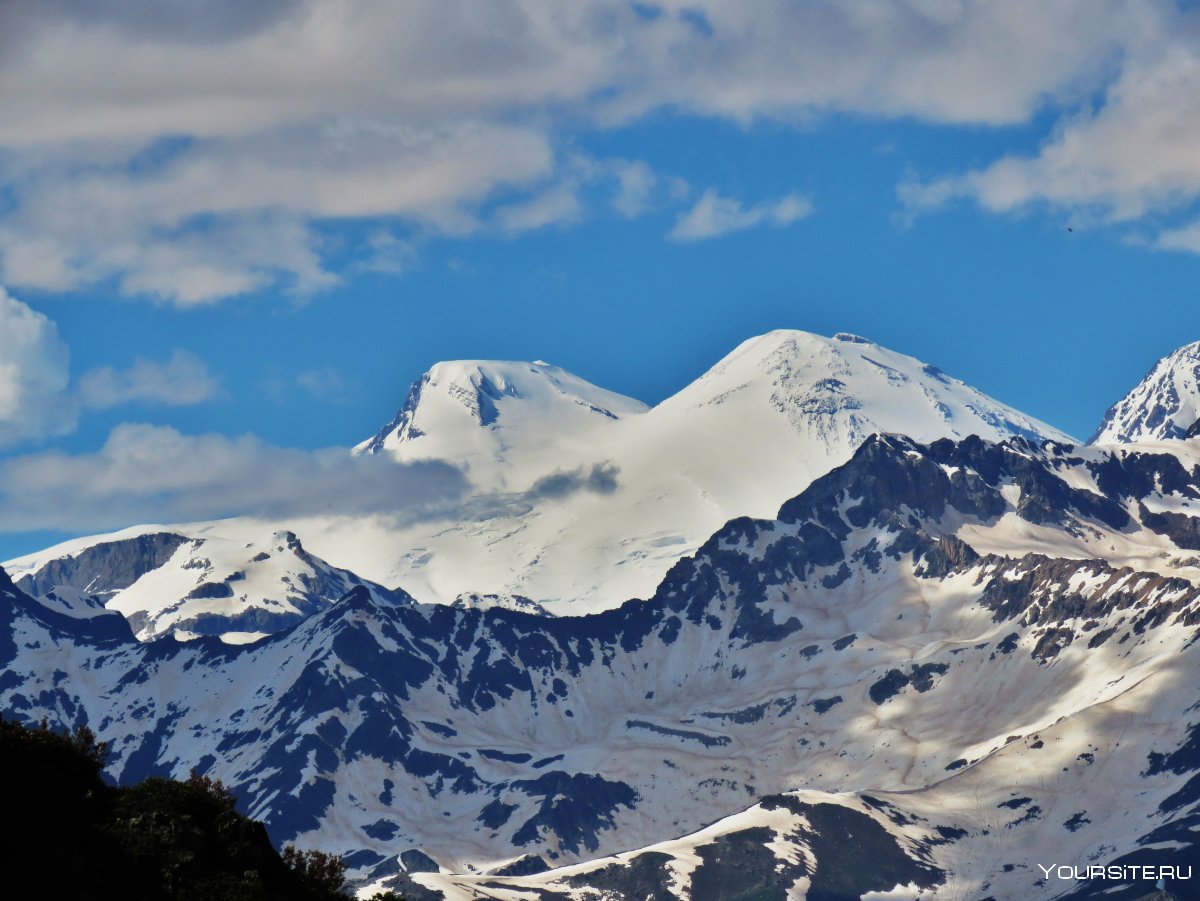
{"type": "Point", "coordinates": [73, 837]}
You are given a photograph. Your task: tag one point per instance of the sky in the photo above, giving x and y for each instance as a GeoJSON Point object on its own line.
{"type": "Point", "coordinates": [231, 235]}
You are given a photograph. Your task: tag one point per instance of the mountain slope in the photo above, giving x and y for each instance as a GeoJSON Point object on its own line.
{"type": "Point", "coordinates": [849, 650]}
{"type": "Point", "coordinates": [504, 422]}
{"type": "Point", "coordinates": [1164, 404]}
{"type": "Point", "coordinates": [238, 583]}
{"type": "Point", "coordinates": [583, 498]}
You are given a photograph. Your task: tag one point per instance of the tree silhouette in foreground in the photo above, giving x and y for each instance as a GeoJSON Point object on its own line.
{"type": "Point", "coordinates": [73, 836]}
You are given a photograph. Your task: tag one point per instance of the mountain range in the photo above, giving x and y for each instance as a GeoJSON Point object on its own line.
{"type": "Point", "coordinates": [581, 498]}
{"type": "Point", "coordinates": [826, 624]}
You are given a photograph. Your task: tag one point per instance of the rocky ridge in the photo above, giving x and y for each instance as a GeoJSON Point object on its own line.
{"type": "Point", "coordinates": [830, 670]}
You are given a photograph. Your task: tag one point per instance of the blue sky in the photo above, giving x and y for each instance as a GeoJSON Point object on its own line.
{"type": "Point", "coordinates": [627, 192]}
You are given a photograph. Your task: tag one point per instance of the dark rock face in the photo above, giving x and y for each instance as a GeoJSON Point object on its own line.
{"type": "Point", "coordinates": [1183, 530]}
{"type": "Point", "coordinates": [855, 854]}
{"type": "Point", "coordinates": [207, 590]}
{"type": "Point", "coordinates": [920, 677]}
{"type": "Point", "coordinates": [107, 632]}
{"type": "Point", "coordinates": [105, 568]}
{"type": "Point", "coordinates": [1036, 598]}
{"type": "Point", "coordinates": [402, 421]}
{"type": "Point", "coordinates": [741, 866]}
{"type": "Point", "coordinates": [526, 865]}
{"type": "Point", "coordinates": [573, 807]}
{"type": "Point", "coordinates": [415, 861]}
{"type": "Point", "coordinates": [646, 876]}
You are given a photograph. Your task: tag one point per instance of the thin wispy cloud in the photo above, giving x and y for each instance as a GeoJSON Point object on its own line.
{"type": "Point", "coordinates": [182, 380]}
{"type": "Point", "coordinates": [558, 205]}
{"type": "Point", "coordinates": [388, 254]}
{"type": "Point", "coordinates": [324, 384]}
{"type": "Point", "coordinates": [714, 215]}
{"type": "Point", "coordinates": [1185, 238]}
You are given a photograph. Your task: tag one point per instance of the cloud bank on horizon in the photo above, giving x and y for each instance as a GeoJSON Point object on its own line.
{"type": "Point", "coordinates": [149, 473]}
{"type": "Point", "coordinates": [191, 153]}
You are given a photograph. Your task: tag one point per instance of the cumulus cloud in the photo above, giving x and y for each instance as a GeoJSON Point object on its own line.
{"type": "Point", "coordinates": [715, 215]}
{"type": "Point", "coordinates": [147, 473]}
{"type": "Point", "coordinates": [192, 157]}
{"type": "Point", "coordinates": [944, 61]}
{"type": "Point", "coordinates": [1135, 154]}
{"type": "Point", "coordinates": [37, 399]}
{"type": "Point", "coordinates": [237, 72]}
{"type": "Point", "coordinates": [224, 218]}
{"type": "Point", "coordinates": [34, 373]}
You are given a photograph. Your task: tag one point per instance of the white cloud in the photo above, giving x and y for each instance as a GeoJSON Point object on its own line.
{"type": "Point", "coordinates": [636, 184]}
{"type": "Point", "coordinates": [422, 60]}
{"type": "Point", "coordinates": [181, 381]}
{"type": "Point", "coordinates": [388, 254]}
{"type": "Point", "coordinates": [146, 473]}
{"type": "Point", "coordinates": [34, 372]}
{"type": "Point", "coordinates": [714, 215]}
{"type": "Point", "coordinates": [936, 60]}
{"type": "Point", "coordinates": [225, 218]}
{"type": "Point", "coordinates": [640, 190]}
{"type": "Point", "coordinates": [556, 206]}
{"type": "Point", "coordinates": [1185, 238]}
{"type": "Point", "coordinates": [630, 187]}
{"type": "Point", "coordinates": [192, 157]}
{"type": "Point", "coordinates": [37, 399]}
{"type": "Point", "coordinates": [1134, 156]}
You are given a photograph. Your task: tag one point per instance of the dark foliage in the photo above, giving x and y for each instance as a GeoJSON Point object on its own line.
{"type": "Point", "coordinates": [73, 837]}
{"type": "Point", "coordinates": [325, 871]}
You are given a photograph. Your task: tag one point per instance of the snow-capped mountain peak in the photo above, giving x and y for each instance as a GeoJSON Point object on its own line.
{"type": "Point", "coordinates": [583, 498]}
{"type": "Point", "coordinates": [812, 400]}
{"type": "Point", "coordinates": [228, 579]}
{"type": "Point", "coordinates": [778, 411]}
{"type": "Point", "coordinates": [477, 413]}
{"type": "Point", "coordinates": [815, 381]}
{"type": "Point", "coordinates": [1164, 404]}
